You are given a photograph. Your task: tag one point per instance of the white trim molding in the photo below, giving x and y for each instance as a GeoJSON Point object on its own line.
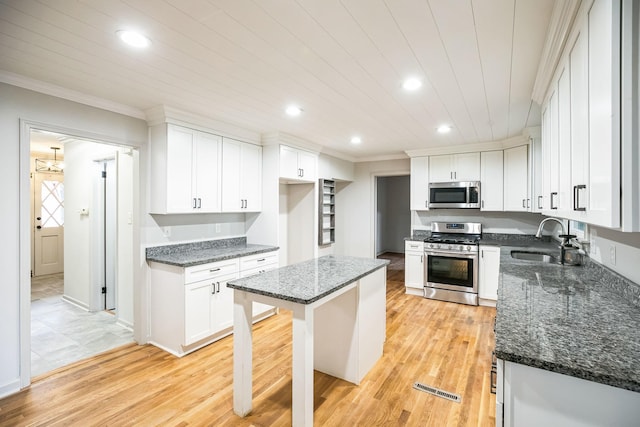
{"type": "Point", "coordinates": [562, 17]}
{"type": "Point", "coordinates": [69, 94]}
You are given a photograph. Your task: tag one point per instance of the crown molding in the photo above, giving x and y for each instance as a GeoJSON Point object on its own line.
{"type": "Point", "coordinates": [166, 114]}
{"type": "Point", "coordinates": [383, 157]}
{"type": "Point", "coordinates": [272, 138]}
{"type": "Point", "coordinates": [562, 17]}
{"type": "Point", "coordinates": [468, 148]}
{"type": "Point", "coordinates": [69, 94]}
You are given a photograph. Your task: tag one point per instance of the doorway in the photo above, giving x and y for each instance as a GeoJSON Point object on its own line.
{"type": "Point", "coordinates": [68, 317]}
{"type": "Point", "coordinates": [392, 221]}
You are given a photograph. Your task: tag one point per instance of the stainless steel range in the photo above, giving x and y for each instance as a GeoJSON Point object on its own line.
{"type": "Point", "coordinates": [451, 267]}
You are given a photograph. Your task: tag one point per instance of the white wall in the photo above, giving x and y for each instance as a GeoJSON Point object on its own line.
{"type": "Point", "coordinates": [492, 222]}
{"type": "Point", "coordinates": [53, 114]}
{"type": "Point", "coordinates": [124, 303]}
{"type": "Point", "coordinates": [626, 247]}
{"type": "Point", "coordinates": [356, 202]}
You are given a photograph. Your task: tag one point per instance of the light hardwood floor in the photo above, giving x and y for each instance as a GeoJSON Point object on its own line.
{"type": "Point", "coordinates": [441, 344]}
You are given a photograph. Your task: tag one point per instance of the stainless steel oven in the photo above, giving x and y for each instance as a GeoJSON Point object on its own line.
{"type": "Point", "coordinates": [451, 262]}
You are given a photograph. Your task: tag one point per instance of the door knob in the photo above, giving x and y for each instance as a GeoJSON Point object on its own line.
{"type": "Point", "coordinates": [39, 227]}
{"type": "Point", "coordinates": [39, 218]}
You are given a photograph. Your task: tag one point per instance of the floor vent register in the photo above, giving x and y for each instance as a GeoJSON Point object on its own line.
{"type": "Point", "coordinates": [437, 392]}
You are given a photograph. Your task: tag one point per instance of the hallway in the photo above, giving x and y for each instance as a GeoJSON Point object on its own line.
{"type": "Point", "coordinates": [62, 333]}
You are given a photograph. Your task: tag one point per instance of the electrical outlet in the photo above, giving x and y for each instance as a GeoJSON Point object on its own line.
{"type": "Point", "coordinates": [166, 231]}
{"type": "Point", "coordinates": [218, 228]}
{"type": "Point", "coordinates": [612, 254]}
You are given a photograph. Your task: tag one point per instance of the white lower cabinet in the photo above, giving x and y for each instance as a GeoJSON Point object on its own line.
{"type": "Point", "coordinates": [527, 396]}
{"type": "Point", "coordinates": [414, 267]}
{"type": "Point", "coordinates": [192, 307]}
{"type": "Point", "coordinates": [489, 273]}
{"type": "Point", "coordinates": [258, 264]}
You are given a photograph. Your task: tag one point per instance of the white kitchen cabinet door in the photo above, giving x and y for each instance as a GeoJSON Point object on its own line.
{"type": "Point", "coordinates": [535, 171]}
{"type": "Point", "coordinates": [491, 181]}
{"type": "Point", "coordinates": [297, 165]}
{"type": "Point", "coordinates": [489, 272]}
{"type": "Point", "coordinates": [579, 64]}
{"type": "Point", "coordinates": [241, 176]}
{"type": "Point", "coordinates": [545, 166]}
{"type": "Point", "coordinates": [553, 163]}
{"type": "Point", "coordinates": [564, 144]}
{"type": "Point", "coordinates": [198, 311]}
{"type": "Point", "coordinates": [604, 114]}
{"type": "Point", "coordinates": [467, 167]}
{"type": "Point", "coordinates": [222, 305]}
{"type": "Point", "coordinates": [251, 178]}
{"type": "Point", "coordinates": [414, 267]}
{"type": "Point", "coordinates": [441, 168]}
{"type": "Point", "coordinates": [192, 172]}
{"type": "Point", "coordinates": [516, 179]}
{"type": "Point", "coordinates": [419, 183]}
{"type": "Point", "coordinates": [180, 172]}
{"type": "Point", "coordinates": [454, 167]}
{"type": "Point", "coordinates": [207, 159]}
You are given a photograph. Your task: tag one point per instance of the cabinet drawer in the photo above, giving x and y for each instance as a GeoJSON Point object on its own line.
{"type": "Point", "coordinates": [258, 270]}
{"type": "Point", "coordinates": [210, 271]}
{"type": "Point", "coordinates": [412, 246]}
{"type": "Point", "coordinates": [258, 260]}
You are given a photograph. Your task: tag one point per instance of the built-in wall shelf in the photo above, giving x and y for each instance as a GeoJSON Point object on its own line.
{"type": "Point", "coordinates": [327, 213]}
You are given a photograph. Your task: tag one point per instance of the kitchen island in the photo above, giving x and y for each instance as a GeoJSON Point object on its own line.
{"type": "Point", "coordinates": [567, 341]}
{"type": "Point", "coordinates": [339, 322]}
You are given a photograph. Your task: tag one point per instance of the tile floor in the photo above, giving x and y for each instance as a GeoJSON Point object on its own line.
{"type": "Point", "coordinates": [62, 333]}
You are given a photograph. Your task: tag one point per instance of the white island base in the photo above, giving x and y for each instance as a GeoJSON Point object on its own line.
{"type": "Point", "coordinates": [342, 334]}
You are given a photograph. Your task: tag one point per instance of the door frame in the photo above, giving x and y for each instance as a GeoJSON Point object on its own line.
{"type": "Point", "coordinates": [374, 204]}
{"type": "Point", "coordinates": [24, 230]}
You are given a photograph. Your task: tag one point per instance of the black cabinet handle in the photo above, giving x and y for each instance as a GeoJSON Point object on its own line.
{"type": "Point", "coordinates": [539, 202]}
{"type": "Point", "coordinates": [551, 200]}
{"type": "Point", "coordinates": [576, 198]}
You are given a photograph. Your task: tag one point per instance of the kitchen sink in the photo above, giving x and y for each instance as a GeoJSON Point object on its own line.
{"type": "Point", "coordinates": [534, 256]}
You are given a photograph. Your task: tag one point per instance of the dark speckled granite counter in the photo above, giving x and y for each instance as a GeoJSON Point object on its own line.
{"type": "Point", "coordinates": [311, 280]}
{"type": "Point", "coordinates": [580, 321]}
{"type": "Point", "coordinates": [197, 253]}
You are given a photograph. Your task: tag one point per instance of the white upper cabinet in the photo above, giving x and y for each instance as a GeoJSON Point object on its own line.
{"type": "Point", "coordinates": [241, 176]}
{"type": "Point", "coordinates": [491, 181]}
{"type": "Point", "coordinates": [185, 170]}
{"type": "Point", "coordinates": [604, 114]}
{"type": "Point", "coordinates": [419, 183]}
{"type": "Point", "coordinates": [581, 122]}
{"type": "Point", "coordinates": [298, 165]}
{"type": "Point", "coordinates": [454, 167]}
{"type": "Point", "coordinates": [579, 146]}
{"type": "Point", "coordinates": [516, 179]}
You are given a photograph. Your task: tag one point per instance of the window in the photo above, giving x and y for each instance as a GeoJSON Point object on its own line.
{"type": "Point", "coordinates": [52, 212]}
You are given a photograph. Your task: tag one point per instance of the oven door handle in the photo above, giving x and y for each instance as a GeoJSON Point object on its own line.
{"type": "Point", "coordinates": [452, 254]}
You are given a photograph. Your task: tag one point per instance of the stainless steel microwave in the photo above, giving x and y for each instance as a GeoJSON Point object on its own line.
{"type": "Point", "coordinates": [454, 195]}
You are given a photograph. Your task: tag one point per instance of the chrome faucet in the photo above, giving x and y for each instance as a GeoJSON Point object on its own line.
{"type": "Point", "coordinates": [539, 232]}
{"type": "Point", "coordinates": [566, 238]}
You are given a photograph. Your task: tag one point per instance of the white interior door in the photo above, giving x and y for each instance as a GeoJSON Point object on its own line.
{"type": "Point", "coordinates": [48, 231]}
{"type": "Point", "coordinates": [110, 232]}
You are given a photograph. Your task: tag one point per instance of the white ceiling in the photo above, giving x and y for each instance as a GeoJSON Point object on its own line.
{"type": "Point", "coordinates": [342, 61]}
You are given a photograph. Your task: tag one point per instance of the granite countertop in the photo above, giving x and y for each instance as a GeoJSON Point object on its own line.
{"type": "Point", "coordinates": [197, 253]}
{"type": "Point", "coordinates": [311, 280]}
{"type": "Point", "coordinates": [581, 321]}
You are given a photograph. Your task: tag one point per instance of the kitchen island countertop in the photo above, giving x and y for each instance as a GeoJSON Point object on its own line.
{"type": "Point", "coordinates": [311, 280]}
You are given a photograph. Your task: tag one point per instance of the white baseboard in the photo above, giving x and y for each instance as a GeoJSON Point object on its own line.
{"type": "Point", "coordinates": [75, 302]}
{"type": "Point", "coordinates": [10, 388]}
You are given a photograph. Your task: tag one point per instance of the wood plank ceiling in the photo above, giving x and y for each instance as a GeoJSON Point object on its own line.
{"type": "Point", "coordinates": [342, 61]}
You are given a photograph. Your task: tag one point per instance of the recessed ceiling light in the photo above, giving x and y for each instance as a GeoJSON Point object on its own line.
{"type": "Point", "coordinates": [412, 83]}
{"type": "Point", "coordinates": [134, 39]}
{"type": "Point", "coordinates": [444, 129]}
{"type": "Point", "coordinates": [356, 140]}
{"type": "Point", "coordinates": [293, 110]}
